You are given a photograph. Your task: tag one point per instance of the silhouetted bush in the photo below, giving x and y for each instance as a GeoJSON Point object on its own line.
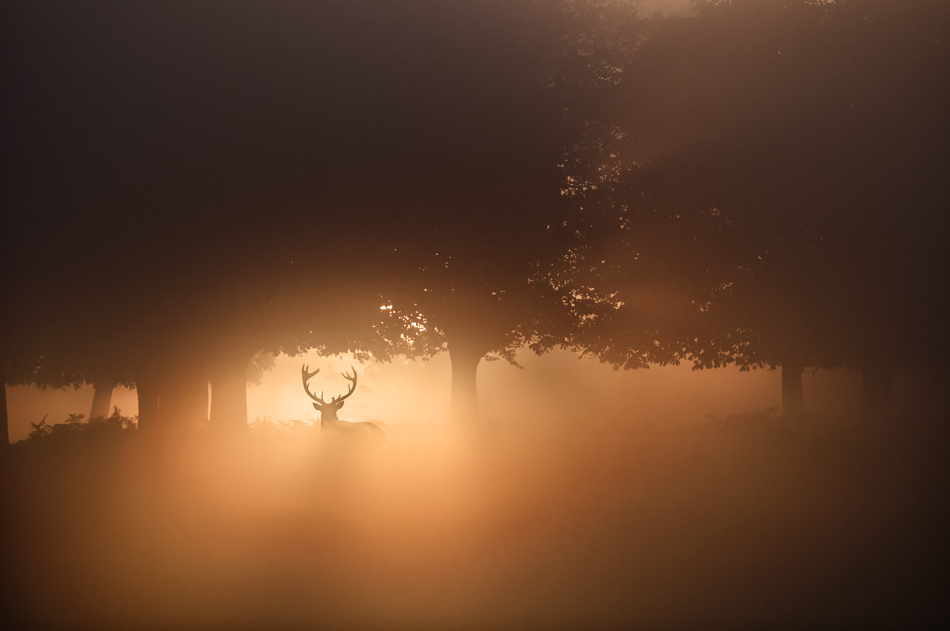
{"type": "Point", "coordinates": [77, 429]}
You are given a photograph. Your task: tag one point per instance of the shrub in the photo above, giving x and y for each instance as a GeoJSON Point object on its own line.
{"type": "Point", "coordinates": [77, 429]}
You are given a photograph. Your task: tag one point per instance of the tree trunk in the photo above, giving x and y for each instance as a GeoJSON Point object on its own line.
{"type": "Point", "coordinates": [4, 419]}
{"type": "Point", "coordinates": [172, 394]}
{"type": "Point", "coordinates": [101, 400]}
{"type": "Point", "coordinates": [183, 400]}
{"type": "Point", "coordinates": [229, 395]}
{"type": "Point", "coordinates": [465, 356]}
{"type": "Point", "coordinates": [876, 399]}
{"type": "Point", "coordinates": [793, 401]}
{"type": "Point", "coordinates": [147, 391]}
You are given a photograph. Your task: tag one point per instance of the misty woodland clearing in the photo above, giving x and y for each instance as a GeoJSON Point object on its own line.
{"type": "Point", "coordinates": [279, 244]}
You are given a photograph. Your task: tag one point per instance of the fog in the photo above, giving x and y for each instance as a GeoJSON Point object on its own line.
{"type": "Point", "coordinates": [585, 497]}
{"type": "Point", "coordinates": [557, 385]}
{"type": "Point", "coordinates": [481, 314]}
{"type": "Point", "coordinates": [537, 522]}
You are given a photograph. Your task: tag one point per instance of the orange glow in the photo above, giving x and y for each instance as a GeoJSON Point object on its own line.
{"type": "Point", "coordinates": [526, 525]}
{"type": "Point", "coordinates": [557, 385]}
{"type": "Point", "coordinates": [401, 392]}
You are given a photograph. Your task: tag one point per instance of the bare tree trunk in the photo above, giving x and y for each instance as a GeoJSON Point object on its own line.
{"type": "Point", "coordinates": [465, 356]}
{"type": "Point", "coordinates": [793, 401]}
{"type": "Point", "coordinates": [876, 383]}
{"type": "Point", "coordinates": [229, 395]}
{"type": "Point", "coordinates": [101, 400]}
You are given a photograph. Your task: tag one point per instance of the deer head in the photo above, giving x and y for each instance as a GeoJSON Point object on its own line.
{"type": "Point", "coordinates": [327, 410]}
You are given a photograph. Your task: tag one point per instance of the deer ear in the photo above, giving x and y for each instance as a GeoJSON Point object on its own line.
{"type": "Point", "coordinates": [316, 407]}
{"type": "Point", "coordinates": [341, 404]}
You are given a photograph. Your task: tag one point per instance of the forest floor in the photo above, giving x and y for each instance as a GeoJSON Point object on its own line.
{"type": "Point", "coordinates": [747, 522]}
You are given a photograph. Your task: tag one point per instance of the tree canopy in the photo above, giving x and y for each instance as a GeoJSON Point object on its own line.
{"type": "Point", "coordinates": [757, 183]}
{"type": "Point", "coordinates": [767, 191]}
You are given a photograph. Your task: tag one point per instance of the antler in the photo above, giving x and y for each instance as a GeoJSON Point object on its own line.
{"type": "Point", "coordinates": [352, 381]}
{"type": "Point", "coordinates": [306, 377]}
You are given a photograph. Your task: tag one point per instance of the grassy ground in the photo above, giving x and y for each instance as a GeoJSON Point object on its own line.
{"type": "Point", "coordinates": [746, 522]}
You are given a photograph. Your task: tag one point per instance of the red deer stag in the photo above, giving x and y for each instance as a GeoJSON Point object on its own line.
{"type": "Point", "coordinates": [328, 417]}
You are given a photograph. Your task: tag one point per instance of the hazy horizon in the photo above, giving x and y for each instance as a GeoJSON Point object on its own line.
{"type": "Point", "coordinates": [559, 384]}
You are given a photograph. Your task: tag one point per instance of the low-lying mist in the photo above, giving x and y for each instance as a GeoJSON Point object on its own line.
{"type": "Point", "coordinates": [556, 385]}
{"type": "Point", "coordinates": [739, 522]}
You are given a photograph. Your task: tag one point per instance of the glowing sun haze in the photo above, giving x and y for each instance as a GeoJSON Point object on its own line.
{"type": "Point", "coordinates": [399, 392]}
{"type": "Point", "coordinates": [556, 386]}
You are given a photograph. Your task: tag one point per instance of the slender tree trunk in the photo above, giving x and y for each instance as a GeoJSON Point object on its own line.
{"type": "Point", "coordinates": [876, 399]}
{"type": "Point", "coordinates": [465, 356]}
{"type": "Point", "coordinates": [101, 400]}
{"type": "Point", "coordinates": [229, 395]}
{"type": "Point", "coordinates": [147, 391]}
{"type": "Point", "coordinates": [793, 401]}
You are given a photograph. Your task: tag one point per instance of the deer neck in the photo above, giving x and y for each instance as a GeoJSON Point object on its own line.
{"type": "Point", "coordinates": [328, 417]}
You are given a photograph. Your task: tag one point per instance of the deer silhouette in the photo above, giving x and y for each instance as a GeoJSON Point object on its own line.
{"type": "Point", "coordinates": [329, 422]}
